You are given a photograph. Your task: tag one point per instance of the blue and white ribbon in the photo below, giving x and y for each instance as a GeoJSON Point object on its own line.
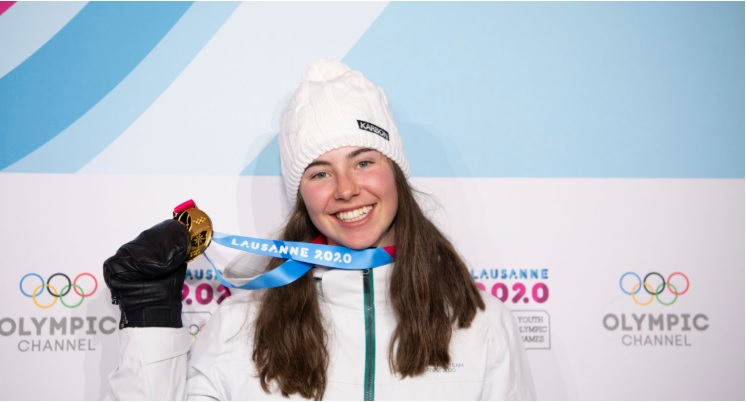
{"type": "Point", "coordinates": [301, 257]}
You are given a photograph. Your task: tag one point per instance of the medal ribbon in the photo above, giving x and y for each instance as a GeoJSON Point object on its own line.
{"type": "Point", "coordinates": [301, 257]}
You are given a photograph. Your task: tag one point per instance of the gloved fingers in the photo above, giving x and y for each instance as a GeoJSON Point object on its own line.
{"type": "Point", "coordinates": [127, 270]}
{"type": "Point", "coordinates": [154, 254]}
{"type": "Point", "coordinates": [165, 244]}
{"type": "Point", "coordinates": [167, 285]}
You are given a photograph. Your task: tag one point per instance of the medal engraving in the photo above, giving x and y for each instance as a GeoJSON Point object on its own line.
{"type": "Point", "coordinates": [199, 226]}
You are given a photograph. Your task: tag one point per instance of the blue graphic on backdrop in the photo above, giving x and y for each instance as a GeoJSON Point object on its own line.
{"type": "Point", "coordinates": [31, 25]}
{"type": "Point", "coordinates": [478, 89]}
{"type": "Point", "coordinates": [537, 89]}
{"type": "Point", "coordinates": [77, 68]}
{"type": "Point", "coordinates": [71, 125]}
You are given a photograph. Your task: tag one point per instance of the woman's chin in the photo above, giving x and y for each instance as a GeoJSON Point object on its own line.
{"type": "Point", "coordinates": [362, 239]}
{"type": "Point", "coordinates": [355, 244]}
{"type": "Point", "coordinates": [358, 245]}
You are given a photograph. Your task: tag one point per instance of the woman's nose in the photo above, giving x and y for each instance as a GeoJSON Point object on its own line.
{"type": "Point", "coordinates": [347, 187]}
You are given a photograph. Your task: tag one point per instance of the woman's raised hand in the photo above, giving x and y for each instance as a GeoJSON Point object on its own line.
{"type": "Point", "coordinates": [146, 276]}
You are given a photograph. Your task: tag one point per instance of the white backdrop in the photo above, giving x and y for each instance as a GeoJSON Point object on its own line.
{"type": "Point", "coordinates": [554, 183]}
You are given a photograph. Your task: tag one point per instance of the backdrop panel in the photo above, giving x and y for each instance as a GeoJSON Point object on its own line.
{"type": "Point", "coordinates": [587, 160]}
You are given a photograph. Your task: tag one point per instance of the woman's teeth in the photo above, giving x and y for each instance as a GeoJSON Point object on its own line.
{"type": "Point", "coordinates": [355, 215]}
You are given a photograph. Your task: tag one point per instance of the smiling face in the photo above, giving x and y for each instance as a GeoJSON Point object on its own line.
{"type": "Point", "coordinates": [350, 195]}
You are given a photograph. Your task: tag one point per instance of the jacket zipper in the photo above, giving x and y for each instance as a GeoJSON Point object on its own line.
{"type": "Point", "coordinates": [370, 336]}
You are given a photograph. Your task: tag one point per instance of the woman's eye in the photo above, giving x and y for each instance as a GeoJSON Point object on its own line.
{"type": "Point", "coordinates": [319, 175]}
{"type": "Point", "coordinates": [364, 163]}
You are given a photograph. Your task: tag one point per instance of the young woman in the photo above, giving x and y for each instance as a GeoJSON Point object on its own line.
{"type": "Point", "coordinates": [417, 328]}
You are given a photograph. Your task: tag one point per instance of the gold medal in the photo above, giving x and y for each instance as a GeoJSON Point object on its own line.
{"type": "Point", "coordinates": [199, 226]}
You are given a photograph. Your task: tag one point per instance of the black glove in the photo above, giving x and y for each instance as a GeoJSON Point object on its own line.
{"type": "Point", "coordinates": [146, 275]}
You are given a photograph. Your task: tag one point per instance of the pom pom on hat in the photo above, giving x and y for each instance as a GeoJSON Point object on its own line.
{"type": "Point", "coordinates": [334, 107]}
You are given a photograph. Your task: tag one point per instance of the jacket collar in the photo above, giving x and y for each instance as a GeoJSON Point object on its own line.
{"type": "Point", "coordinates": [344, 288]}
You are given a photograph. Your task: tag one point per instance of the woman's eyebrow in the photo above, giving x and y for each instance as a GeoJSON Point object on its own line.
{"type": "Point", "coordinates": [349, 156]}
{"type": "Point", "coordinates": [316, 163]}
{"type": "Point", "coordinates": [358, 152]}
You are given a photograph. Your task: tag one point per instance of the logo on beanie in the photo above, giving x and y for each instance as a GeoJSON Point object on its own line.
{"type": "Point", "coordinates": [364, 125]}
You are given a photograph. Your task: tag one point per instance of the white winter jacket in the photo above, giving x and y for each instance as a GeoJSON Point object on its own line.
{"type": "Point", "coordinates": [488, 361]}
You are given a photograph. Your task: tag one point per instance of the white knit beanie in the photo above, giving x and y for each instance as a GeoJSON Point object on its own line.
{"type": "Point", "coordinates": [335, 107]}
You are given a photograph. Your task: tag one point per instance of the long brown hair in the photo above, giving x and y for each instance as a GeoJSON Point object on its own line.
{"type": "Point", "coordinates": [431, 292]}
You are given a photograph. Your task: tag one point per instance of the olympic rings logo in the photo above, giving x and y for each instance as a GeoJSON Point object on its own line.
{"type": "Point", "coordinates": [195, 329]}
{"type": "Point", "coordinates": [654, 291]}
{"type": "Point", "coordinates": [52, 290]}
